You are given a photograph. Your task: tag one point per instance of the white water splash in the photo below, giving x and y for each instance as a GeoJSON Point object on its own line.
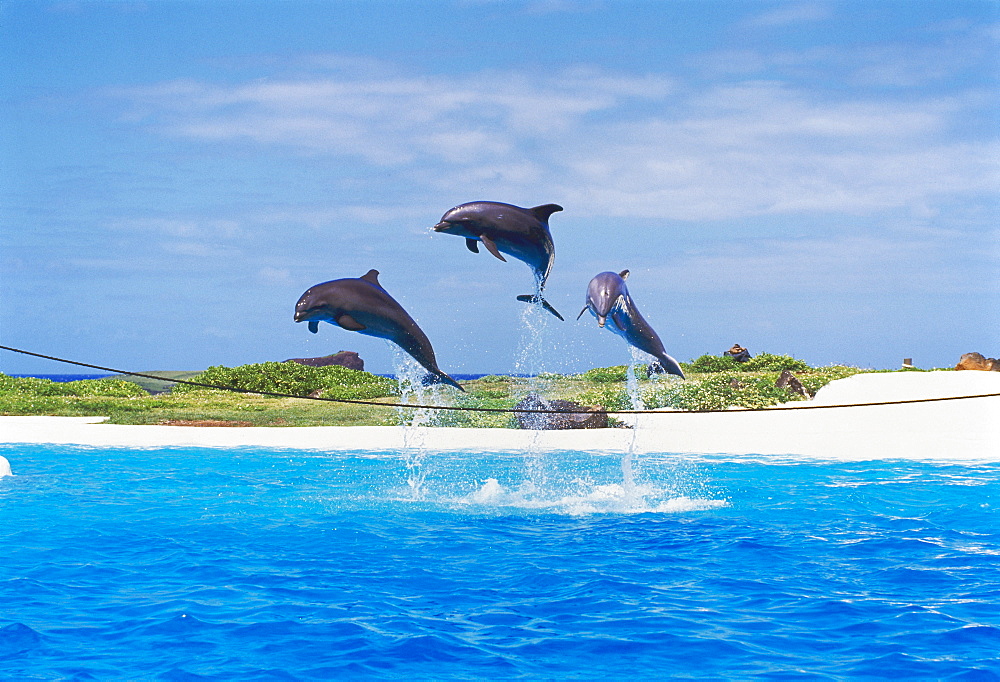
{"type": "Point", "coordinates": [586, 498]}
{"type": "Point", "coordinates": [536, 343]}
{"type": "Point", "coordinates": [410, 376]}
{"type": "Point", "coordinates": [638, 365]}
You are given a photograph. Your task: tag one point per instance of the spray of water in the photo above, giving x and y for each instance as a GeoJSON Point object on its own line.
{"type": "Point", "coordinates": [412, 390]}
{"type": "Point", "coordinates": [534, 348]}
{"type": "Point", "coordinates": [578, 483]}
{"type": "Point", "coordinates": [536, 333]}
{"type": "Point", "coordinates": [636, 368]}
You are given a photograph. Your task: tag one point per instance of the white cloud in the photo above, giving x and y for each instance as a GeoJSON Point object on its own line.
{"type": "Point", "coordinates": [821, 267]}
{"type": "Point", "coordinates": [791, 14]}
{"type": "Point", "coordinates": [540, 7]}
{"type": "Point", "coordinates": [178, 227]}
{"type": "Point", "coordinates": [610, 144]}
{"type": "Point", "coordinates": [270, 275]}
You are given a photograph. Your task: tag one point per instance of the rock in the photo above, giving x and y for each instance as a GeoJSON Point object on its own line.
{"type": "Point", "coordinates": [345, 358]}
{"type": "Point", "coordinates": [738, 353]}
{"type": "Point", "coordinates": [591, 418]}
{"type": "Point", "coordinates": [978, 362]}
{"type": "Point", "coordinates": [789, 382]}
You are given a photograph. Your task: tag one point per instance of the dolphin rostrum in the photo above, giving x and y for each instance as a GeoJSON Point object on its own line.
{"type": "Point", "coordinates": [519, 232]}
{"type": "Point", "coordinates": [362, 305]}
{"type": "Point", "coordinates": [608, 297]}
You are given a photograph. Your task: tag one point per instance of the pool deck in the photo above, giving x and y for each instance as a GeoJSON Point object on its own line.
{"type": "Point", "coordinates": [967, 429]}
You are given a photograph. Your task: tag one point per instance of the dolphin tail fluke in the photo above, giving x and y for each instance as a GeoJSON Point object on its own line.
{"type": "Point", "coordinates": [440, 377]}
{"type": "Point", "coordinates": [666, 365]}
{"type": "Point", "coordinates": [536, 298]}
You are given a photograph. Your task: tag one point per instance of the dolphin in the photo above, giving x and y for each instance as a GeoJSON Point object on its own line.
{"type": "Point", "coordinates": [362, 305]}
{"type": "Point", "coordinates": [608, 297]}
{"type": "Point", "coordinates": [519, 232]}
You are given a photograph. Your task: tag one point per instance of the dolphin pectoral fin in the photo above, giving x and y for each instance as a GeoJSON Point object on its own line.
{"type": "Point", "coordinates": [492, 247]}
{"type": "Point", "coordinates": [314, 326]}
{"type": "Point", "coordinates": [623, 274]}
{"type": "Point", "coordinates": [350, 324]}
{"type": "Point", "coordinates": [533, 298]}
{"type": "Point", "coordinates": [472, 245]}
{"type": "Point", "coordinates": [582, 312]}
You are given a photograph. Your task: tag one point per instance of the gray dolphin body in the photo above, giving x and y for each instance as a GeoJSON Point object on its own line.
{"type": "Point", "coordinates": [519, 232]}
{"type": "Point", "coordinates": [362, 305]}
{"type": "Point", "coordinates": [608, 297]}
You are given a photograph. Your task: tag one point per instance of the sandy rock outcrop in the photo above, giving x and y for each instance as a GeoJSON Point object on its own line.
{"type": "Point", "coordinates": [976, 361]}
{"type": "Point", "coordinates": [345, 358]}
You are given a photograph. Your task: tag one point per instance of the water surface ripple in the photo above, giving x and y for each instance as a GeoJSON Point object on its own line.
{"type": "Point", "coordinates": [252, 564]}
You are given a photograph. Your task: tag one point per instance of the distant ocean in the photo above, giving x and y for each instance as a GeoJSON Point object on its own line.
{"type": "Point", "coordinates": [78, 377]}
{"type": "Point", "coordinates": [63, 377]}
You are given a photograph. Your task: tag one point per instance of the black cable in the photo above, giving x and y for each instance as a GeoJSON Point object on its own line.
{"type": "Point", "coordinates": [479, 409]}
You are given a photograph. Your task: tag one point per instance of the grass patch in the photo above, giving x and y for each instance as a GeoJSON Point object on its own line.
{"type": "Point", "coordinates": [295, 379]}
{"type": "Point", "coordinates": [126, 402]}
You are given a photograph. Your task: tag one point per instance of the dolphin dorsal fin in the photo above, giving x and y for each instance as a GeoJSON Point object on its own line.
{"type": "Point", "coordinates": [623, 274]}
{"type": "Point", "coordinates": [371, 277]}
{"type": "Point", "coordinates": [545, 210]}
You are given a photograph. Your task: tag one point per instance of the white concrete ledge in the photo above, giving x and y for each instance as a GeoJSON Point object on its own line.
{"type": "Point", "coordinates": [948, 430]}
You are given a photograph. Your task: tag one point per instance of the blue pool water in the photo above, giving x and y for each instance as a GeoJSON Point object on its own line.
{"type": "Point", "coordinates": [253, 564]}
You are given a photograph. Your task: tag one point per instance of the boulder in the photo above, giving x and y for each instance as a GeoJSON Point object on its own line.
{"type": "Point", "coordinates": [790, 383]}
{"type": "Point", "coordinates": [590, 418]}
{"type": "Point", "coordinates": [978, 362]}
{"type": "Point", "coordinates": [738, 353]}
{"type": "Point", "coordinates": [345, 358]}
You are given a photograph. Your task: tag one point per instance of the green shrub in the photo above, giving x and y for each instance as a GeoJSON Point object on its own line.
{"type": "Point", "coordinates": [710, 363]}
{"type": "Point", "coordinates": [724, 389]}
{"type": "Point", "coordinates": [478, 420]}
{"type": "Point", "coordinates": [497, 379]}
{"type": "Point", "coordinates": [717, 392]}
{"type": "Point", "coordinates": [818, 378]}
{"type": "Point", "coordinates": [295, 379]}
{"type": "Point", "coordinates": [763, 362]}
{"type": "Point", "coordinates": [766, 362]}
{"type": "Point", "coordinates": [612, 397]}
{"type": "Point", "coordinates": [490, 391]}
{"type": "Point", "coordinates": [106, 388]}
{"type": "Point", "coordinates": [32, 386]}
{"type": "Point", "coordinates": [606, 375]}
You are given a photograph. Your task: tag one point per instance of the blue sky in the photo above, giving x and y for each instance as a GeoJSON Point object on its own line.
{"type": "Point", "coordinates": [812, 178]}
